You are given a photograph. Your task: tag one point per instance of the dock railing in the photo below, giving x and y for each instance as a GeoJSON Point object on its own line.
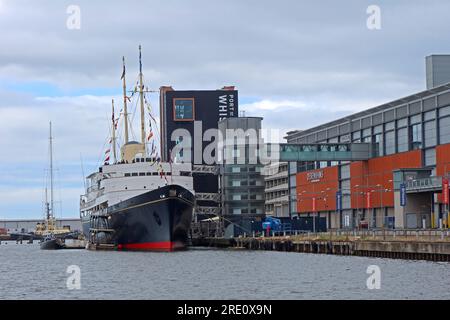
{"type": "Point", "coordinates": [373, 234]}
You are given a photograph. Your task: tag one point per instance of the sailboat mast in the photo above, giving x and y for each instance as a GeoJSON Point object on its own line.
{"type": "Point", "coordinates": [51, 172]}
{"type": "Point", "coordinates": [47, 210]}
{"type": "Point", "coordinates": [141, 93]}
{"type": "Point", "coordinates": [125, 110]}
{"type": "Point", "coordinates": [113, 138]}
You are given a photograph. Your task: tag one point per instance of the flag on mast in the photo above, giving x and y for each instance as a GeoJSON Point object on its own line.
{"type": "Point", "coordinates": [150, 134]}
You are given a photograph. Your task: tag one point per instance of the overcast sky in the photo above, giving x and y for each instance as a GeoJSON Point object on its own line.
{"type": "Point", "coordinates": [296, 63]}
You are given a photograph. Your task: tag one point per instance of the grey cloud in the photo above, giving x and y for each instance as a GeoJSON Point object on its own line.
{"type": "Point", "coordinates": [265, 47]}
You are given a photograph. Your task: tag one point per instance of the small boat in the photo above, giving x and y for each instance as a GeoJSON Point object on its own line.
{"type": "Point", "coordinates": [51, 242]}
{"type": "Point", "coordinates": [52, 236]}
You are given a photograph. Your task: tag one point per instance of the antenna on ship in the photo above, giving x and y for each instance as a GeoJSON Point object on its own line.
{"type": "Point", "coordinates": [125, 112]}
{"type": "Point", "coordinates": [113, 138]}
{"type": "Point", "coordinates": [141, 97]}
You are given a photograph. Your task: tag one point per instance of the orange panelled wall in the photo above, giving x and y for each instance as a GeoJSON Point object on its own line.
{"type": "Point", "coordinates": [374, 175]}
{"type": "Point", "coordinates": [442, 162]}
{"type": "Point", "coordinates": [307, 190]}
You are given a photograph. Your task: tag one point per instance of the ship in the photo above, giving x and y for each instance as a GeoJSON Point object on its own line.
{"type": "Point", "coordinates": [135, 201]}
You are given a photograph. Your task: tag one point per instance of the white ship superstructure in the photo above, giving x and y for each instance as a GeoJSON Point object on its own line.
{"type": "Point", "coordinates": [118, 182]}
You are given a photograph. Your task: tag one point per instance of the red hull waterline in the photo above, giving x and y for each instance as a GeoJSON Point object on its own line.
{"type": "Point", "coordinates": [166, 246]}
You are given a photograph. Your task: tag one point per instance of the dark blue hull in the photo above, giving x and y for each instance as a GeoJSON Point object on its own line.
{"type": "Point", "coordinates": [156, 220]}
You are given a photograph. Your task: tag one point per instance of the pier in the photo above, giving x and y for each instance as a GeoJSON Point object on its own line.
{"type": "Point", "coordinates": [431, 245]}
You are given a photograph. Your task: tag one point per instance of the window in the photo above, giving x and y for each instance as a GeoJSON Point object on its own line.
{"type": "Point", "coordinates": [235, 169]}
{"type": "Point", "coordinates": [402, 123]}
{"type": "Point", "coordinates": [345, 172]}
{"type": "Point", "coordinates": [444, 130]}
{"type": "Point", "coordinates": [444, 111]}
{"type": "Point", "coordinates": [416, 119]}
{"type": "Point", "coordinates": [235, 183]}
{"type": "Point", "coordinates": [356, 136]}
{"type": "Point", "coordinates": [333, 140]}
{"type": "Point", "coordinates": [430, 133]}
{"type": "Point", "coordinates": [127, 174]}
{"type": "Point", "coordinates": [366, 132]}
{"type": "Point", "coordinates": [378, 129]}
{"type": "Point", "coordinates": [390, 126]}
{"type": "Point", "coordinates": [378, 141]}
{"type": "Point", "coordinates": [183, 109]}
{"type": "Point", "coordinates": [430, 157]}
{"type": "Point", "coordinates": [390, 142]}
{"type": "Point", "coordinates": [402, 139]}
{"type": "Point", "coordinates": [430, 115]}
{"type": "Point", "coordinates": [416, 139]}
{"type": "Point", "coordinates": [236, 197]}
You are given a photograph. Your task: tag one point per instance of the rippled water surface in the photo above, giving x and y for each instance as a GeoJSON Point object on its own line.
{"type": "Point", "coordinates": [26, 272]}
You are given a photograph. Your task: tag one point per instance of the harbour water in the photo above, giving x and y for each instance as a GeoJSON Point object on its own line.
{"type": "Point", "coordinates": [26, 272]}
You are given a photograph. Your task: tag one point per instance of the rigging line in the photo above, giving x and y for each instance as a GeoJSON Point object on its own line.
{"type": "Point", "coordinates": [82, 172]}
{"type": "Point", "coordinates": [45, 176]}
{"type": "Point", "coordinates": [58, 185]}
{"type": "Point", "coordinates": [134, 104]}
{"type": "Point", "coordinates": [101, 153]}
{"type": "Point", "coordinates": [158, 140]}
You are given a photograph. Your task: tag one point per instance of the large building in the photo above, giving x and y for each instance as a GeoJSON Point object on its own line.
{"type": "Point", "coordinates": [241, 182]}
{"type": "Point", "coordinates": [196, 111]}
{"type": "Point", "coordinates": [403, 184]}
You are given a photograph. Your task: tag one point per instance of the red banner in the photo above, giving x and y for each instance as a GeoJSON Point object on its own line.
{"type": "Point", "coordinates": [368, 199]}
{"type": "Point", "coordinates": [445, 190]}
{"type": "Point", "coordinates": [314, 204]}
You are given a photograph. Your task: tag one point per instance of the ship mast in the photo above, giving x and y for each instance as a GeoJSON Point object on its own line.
{"type": "Point", "coordinates": [51, 173]}
{"type": "Point", "coordinates": [141, 94]}
{"type": "Point", "coordinates": [113, 138]}
{"type": "Point", "coordinates": [47, 208]}
{"type": "Point", "coordinates": [125, 101]}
